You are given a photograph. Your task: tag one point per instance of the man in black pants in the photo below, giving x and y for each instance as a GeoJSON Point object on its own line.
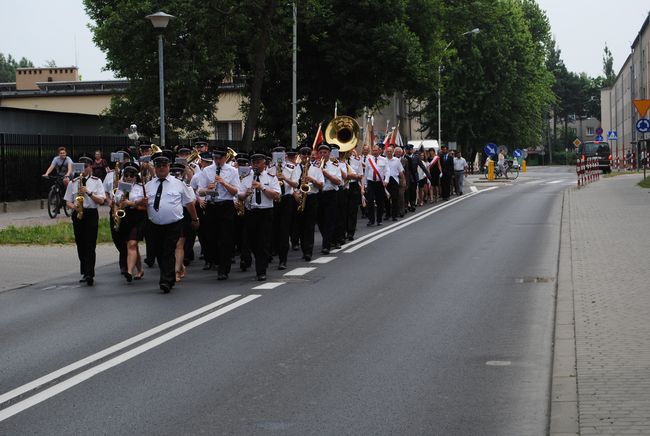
{"type": "Point", "coordinates": [396, 175]}
{"type": "Point", "coordinates": [166, 196]}
{"type": "Point", "coordinates": [447, 163]}
{"type": "Point", "coordinates": [375, 182]}
{"type": "Point", "coordinates": [327, 201]}
{"type": "Point", "coordinates": [86, 225]}
{"type": "Point", "coordinates": [306, 220]}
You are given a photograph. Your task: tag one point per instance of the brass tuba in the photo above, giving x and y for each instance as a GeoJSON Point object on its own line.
{"type": "Point", "coordinates": [343, 131]}
{"type": "Point", "coordinates": [230, 155]}
{"type": "Point", "coordinates": [155, 149]}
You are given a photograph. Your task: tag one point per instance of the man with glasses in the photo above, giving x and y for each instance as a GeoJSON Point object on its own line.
{"type": "Point", "coordinates": [166, 196]}
{"type": "Point", "coordinates": [86, 227]}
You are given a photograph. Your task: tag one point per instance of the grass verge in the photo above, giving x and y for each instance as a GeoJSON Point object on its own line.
{"type": "Point", "coordinates": [60, 233]}
{"type": "Point", "coordinates": [645, 183]}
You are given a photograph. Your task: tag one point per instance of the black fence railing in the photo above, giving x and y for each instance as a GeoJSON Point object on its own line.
{"type": "Point", "coordinates": [24, 157]}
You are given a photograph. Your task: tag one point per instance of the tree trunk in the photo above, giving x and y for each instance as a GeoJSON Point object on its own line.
{"type": "Point", "coordinates": [259, 68]}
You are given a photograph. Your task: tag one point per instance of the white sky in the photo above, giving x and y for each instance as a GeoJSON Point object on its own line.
{"type": "Point", "coordinates": [41, 30]}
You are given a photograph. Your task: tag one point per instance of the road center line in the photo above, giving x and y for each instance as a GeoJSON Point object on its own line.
{"type": "Point", "coordinates": [299, 271]}
{"type": "Point", "coordinates": [269, 285]}
{"type": "Point", "coordinates": [323, 259]}
{"type": "Point", "coordinates": [555, 181]}
{"type": "Point", "coordinates": [421, 217]}
{"type": "Point", "coordinates": [110, 350]}
{"type": "Point", "coordinates": [87, 374]}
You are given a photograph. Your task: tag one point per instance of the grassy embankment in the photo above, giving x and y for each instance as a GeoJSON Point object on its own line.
{"type": "Point", "coordinates": [60, 233]}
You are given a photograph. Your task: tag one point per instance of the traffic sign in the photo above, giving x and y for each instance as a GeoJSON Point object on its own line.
{"type": "Point", "coordinates": [490, 149]}
{"type": "Point", "coordinates": [599, 138]}
{"type": "Point", "coordinates": [612, 135]}
{"type": "Point", "coordinates": [643, 125]}
{"type": "Point", "coordinates": [577, 142]}
{"type": "Point", "coordinates": [642, 106]}
{"type": "Point", "coordinates": [517, 153]}
{"type": "Point", "coordinates": [599, 131]}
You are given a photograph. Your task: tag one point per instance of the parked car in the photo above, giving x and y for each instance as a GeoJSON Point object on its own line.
{"type": "Point", "coordinates": [600, 150]}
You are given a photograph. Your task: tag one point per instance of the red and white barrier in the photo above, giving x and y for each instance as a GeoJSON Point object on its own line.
{"type": "Point", "coordinates": [587, 170]}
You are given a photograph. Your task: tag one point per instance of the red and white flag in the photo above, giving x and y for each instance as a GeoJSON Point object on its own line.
{"type": "Point", "coordinates": [318, 138]}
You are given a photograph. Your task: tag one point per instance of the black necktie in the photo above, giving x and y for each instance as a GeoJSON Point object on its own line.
{"type": "Point", "coordinates": [156, 202]}
{"type": "Point", "coordinates": [258, 193]}
{"type": "Point", "coordinates": [282, 184]}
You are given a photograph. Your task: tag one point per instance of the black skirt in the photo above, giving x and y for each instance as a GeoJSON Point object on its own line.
{"type": "Point", "coordinates": [132, 225]}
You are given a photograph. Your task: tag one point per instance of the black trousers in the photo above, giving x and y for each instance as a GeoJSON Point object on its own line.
{"type": "Point", "coordinates": [411, 193]}
{"type": "Point", "coordinates": [393, 190]}
{"type": "Point", "coordinates": [220, 234]}
{"type": "Point", "coordinates": [341, 215]}
{"type": "Point", "coordinates": [375, 200]}
{"type": "Point", "coordinates": [119, 242]}
{"type": "Point", "coordinates": [85, 237]}
{"type": "Point", "coordinates": [259, 224]}
{"type": "Point", "coordinates": [354, 200]}
{"type": "Point", "coordinates": [445, 185]}
{"type": "Point", "coordinates": [327, 217]}
{"type": "Point", "coordinates": [163, 239]}
{"type": "Point", "coordinates": [284, 214]}
{"type": "Point", "coordinates": [307, 224]}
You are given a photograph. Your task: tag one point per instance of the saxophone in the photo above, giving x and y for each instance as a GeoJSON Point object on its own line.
{"type": "Point", "coordinates": [119, 214]}
{"type": "Point", "coordinates": [114, 207]}
{"type": "Point", "coordinates": [79, 199]}
{"type": "Point", "coordinates": [304, 187]}
{"type": "Point", "coordinates": [239, 204]}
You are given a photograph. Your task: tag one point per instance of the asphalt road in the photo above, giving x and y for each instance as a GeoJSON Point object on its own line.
{"type": "Point", "coordinates": [440, 324]}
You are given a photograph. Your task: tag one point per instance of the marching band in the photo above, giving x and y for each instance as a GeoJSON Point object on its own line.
{"type": "Point", "coordinates": [255, 207]}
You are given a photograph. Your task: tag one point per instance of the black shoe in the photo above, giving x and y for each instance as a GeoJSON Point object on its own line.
{"type": "Point", "coordinates": [261, 277]}
{"type": "Point", "coordinates": [282, 266]}
{"type": "Point", "coordinates": [325, 251]}
{"type": "Point", "coordinates": [149, 262]}
{"type": "Point", "coordinates": [378, 223]}
{"type": "Point", "coordinates": [187, 262]}
{"type": "Point", "coordinates": [128, 277]}
{"type": "Point", "coordinates": [370, 224]}
{"type": "Point", "coordinates": [336, 246]}
{"type": "Point", "coordinates": [165, 288]}
{"type": "Point", "coordinates": [84, 279]}
{"type": "Point", "coordinates": [222, 276]}
{"type": "Point", "coordinates": [394, 219]}
{"type": "Point", "coordinates": [90, 281]}
{"type": "Point", "coordinates": [208, 266]}
{"type": "Point", "coordinates": [307, 257]}
{"type": "Point", "coordinates": [295, 247]}
{"type": "Point", "coordinates": [351, 238]}
{"type": "Point", "coordinates": [243, 266]}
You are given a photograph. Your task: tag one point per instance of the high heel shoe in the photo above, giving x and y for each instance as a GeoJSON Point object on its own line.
{"type": "Point", "coordinates": [139, 275]}
{"type": "Point", "coordinates": [128, 277]}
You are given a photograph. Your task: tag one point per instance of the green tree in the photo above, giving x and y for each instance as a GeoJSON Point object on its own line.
{"type": "Point", "coordinates": [8, 67]}
{"type": "Point", "coordinates": [608, 67]}
{"type": "Point", "coordinates": [199, 54]}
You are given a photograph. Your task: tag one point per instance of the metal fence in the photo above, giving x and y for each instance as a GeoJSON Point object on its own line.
{"type": "Point", "coordinates": [23, 158]}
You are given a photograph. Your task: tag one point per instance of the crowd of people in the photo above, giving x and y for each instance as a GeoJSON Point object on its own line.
{"type": "Point", "coordinates": [254, 207]}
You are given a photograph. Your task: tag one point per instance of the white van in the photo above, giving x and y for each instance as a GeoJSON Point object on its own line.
{"type": "Point", "coordinates": [426, 144]}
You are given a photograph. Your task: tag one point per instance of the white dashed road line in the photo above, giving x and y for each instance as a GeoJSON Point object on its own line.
{"type": "Point", "coordinates": [323, 259]}
{"type": "Point", "coordinates": [269, 285]}
{"type": "Point", "coordinates": [299, 271]}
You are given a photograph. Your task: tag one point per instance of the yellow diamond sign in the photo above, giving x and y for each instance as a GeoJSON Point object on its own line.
{"type": "Point", "coordinates": [577, 142]}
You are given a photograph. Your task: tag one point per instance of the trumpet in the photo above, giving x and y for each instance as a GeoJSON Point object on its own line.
{"type": "Point", "coordinates": [79, 199]}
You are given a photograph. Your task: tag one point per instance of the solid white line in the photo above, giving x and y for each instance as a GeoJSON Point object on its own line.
{"type": "Point", "coordinates": [110, 350]}
{"type": "Point", "coordinates": [555, 181]}
{"type": "Point", "coordinates": [421, 217]}
{"type": "Point", "coordinates": [85, 375]}
{"type": "Point", "coordinates": [473, 188]}
{"type": "Point", "coordinates": [534, 182]}
{"type": "Point", "coordinates": [323, 259]}
{"type": "Point", "coordinates": [48, 288]}
{"type": "Point", "coordinates": [269, 285]}
{"type": "Point", "coordinates": [400, 223]}
{"type": "Point", "coordinates": [299, 271]}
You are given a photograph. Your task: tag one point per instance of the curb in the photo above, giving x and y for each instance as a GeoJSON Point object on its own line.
{"type": "Point", "coordinates": [564, 412]}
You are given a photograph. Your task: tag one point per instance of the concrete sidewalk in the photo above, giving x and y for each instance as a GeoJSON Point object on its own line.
{"type": "Point", "coordinates": [33, 213]}
{"type": "Point", "coordinates": [601, 375]}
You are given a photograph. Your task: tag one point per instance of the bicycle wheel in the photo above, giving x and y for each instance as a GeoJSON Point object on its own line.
{"type": "Point", "coordinates": [53, 203]}
{"type": "Point", "coordinates": [512, 173]}
{"type": "Point", "coordinates": [64, 206]}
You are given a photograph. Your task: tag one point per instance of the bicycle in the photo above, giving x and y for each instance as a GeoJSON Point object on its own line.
{"type": "Point", "coordinates": [55, 199]}
{"type": "Point", "coordinates": [509, 172]}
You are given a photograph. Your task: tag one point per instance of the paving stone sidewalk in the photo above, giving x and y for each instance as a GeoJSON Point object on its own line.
{"type": "Point", "coordinates": [609, 251]}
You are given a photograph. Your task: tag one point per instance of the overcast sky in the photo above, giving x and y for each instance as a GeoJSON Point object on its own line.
{"type": "Point", "coordinates": [41, 30]}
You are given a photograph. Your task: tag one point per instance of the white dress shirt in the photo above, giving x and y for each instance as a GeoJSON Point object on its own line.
{"type": "Point", "coordinates": [291, 172]}
{"type": "Point", "coordinates": [175, 195]}
{"type": "Point", "coordinates": [135, 194]}
{"type": "Point", "coordinates": [395, 168]}
{"type": "Point", "coordinates": [268, 182]}
{"type": "Point", "coordinates": [94, 186]}
{"type": "Point", "coordinates": [334, 171]}
{"type": "Point", "coordinates": [459, 164]}
{"type": "Point", "coordinates": [381, 163]}
{"type": "Point", "coordinates": [356, 164]}
{"type": "Point", "coordinates": [229, 174]}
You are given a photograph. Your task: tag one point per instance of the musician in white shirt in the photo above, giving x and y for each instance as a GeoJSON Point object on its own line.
{"type": "Point", "coordinates": [327, 200]}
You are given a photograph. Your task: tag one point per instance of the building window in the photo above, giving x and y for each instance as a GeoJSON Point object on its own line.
{"type": "Point", "coordinates": [223, 131]}
{"type": "Point", "coordinates": [228, 130]}
{"type": "Point", "coordinates": [590, 131]}
{"type": "Point", "coordinates": [236, 131]}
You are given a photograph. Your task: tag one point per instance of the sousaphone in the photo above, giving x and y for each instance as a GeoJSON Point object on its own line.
{"type": "Point", "coordinates": [343, 131]}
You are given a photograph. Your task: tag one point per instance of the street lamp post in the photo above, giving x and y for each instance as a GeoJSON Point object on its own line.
{"type": "Point", "coordinates": [294, 91]}
{"type": "Point", "coordinates": [160, 20]}
{"type": "Point", "coordinates": [475, 30]}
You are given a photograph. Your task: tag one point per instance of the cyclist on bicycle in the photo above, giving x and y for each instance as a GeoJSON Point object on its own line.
{"type": "Point", "coordinates": [61, 165]}
{"type": "Point", "coordinates": [501, 162]}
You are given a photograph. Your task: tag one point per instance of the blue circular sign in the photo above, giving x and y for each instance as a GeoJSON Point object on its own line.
{"type": "Point", "coordinates": [643, 125]}
{"type": "Point", "coordinates": [517, 153]}
{"type": "Point", "coordinates": [599, 131]}
{"type": "Point", "coordinates": [490, 149]}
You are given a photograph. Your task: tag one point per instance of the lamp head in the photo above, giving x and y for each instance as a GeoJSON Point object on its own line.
{"type": "Point", "coordinates": [160, 20]}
